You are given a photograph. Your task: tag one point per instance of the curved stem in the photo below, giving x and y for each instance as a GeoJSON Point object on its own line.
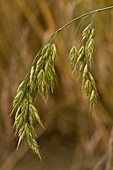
{"type": "Point", "coordinates": [64, 26]}
{"type": "Point", "coordinates": [70, 22]}
{"type": "Point", "coordinates": [83, 15]}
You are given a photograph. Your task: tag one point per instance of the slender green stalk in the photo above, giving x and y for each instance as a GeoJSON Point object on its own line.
{"type": "Point", "coordinates": [64, 26]}
{"type": "Point", "coordinates": [83, 15]}
{"type": "Point", "coordinates": [70, 22]}
{"type": "Point", "coordinates": [42, 76]}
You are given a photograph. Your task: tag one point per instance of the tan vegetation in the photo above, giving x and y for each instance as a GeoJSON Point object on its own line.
{"type": "Point", "coordinates": [74, 139]}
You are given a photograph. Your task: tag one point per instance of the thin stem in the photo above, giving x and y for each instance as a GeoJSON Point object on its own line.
{"type": "Point", "coordinates": [64, 26]}
{"type": "Point", "coordinates": [70, 22]}
{"type": "Point", "coordinates": [83, 15]}
{"type": "Point", "coordinates": [79, 24]}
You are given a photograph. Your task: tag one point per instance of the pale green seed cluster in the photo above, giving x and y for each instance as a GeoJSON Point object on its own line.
{"type": "Point", "coordinates": [45, 71]}
{"type": "Point", "coordinates": [88, 85]}
{"type": "Point", "coordinates": [81, 60]}
{"type": "Point", "coordinates": [73, 57]}
{"type": "Point", "coordinates": [41, 79]}
{"type": "Point", "coordinates": [88, 42]}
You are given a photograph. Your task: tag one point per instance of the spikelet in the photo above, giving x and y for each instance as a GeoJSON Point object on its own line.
{"type": "Point", "coordinates": [41, 79]}
{"type": "Point", "coordinates": [81, 60]}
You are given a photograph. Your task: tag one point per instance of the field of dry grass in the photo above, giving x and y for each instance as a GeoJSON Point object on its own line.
{"type": "Point", "coordinates": [74, 139]}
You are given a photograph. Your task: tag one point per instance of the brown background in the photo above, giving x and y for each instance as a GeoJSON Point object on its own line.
{"type": "Point", "coordinates": [74, 139]}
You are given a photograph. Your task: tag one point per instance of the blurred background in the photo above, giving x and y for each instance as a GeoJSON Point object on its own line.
{"type": "Point", "coordinates": [74, 138]}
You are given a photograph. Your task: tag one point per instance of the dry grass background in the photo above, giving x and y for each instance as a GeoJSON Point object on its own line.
{"type": "Point", "coordinates": [74, 139]}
